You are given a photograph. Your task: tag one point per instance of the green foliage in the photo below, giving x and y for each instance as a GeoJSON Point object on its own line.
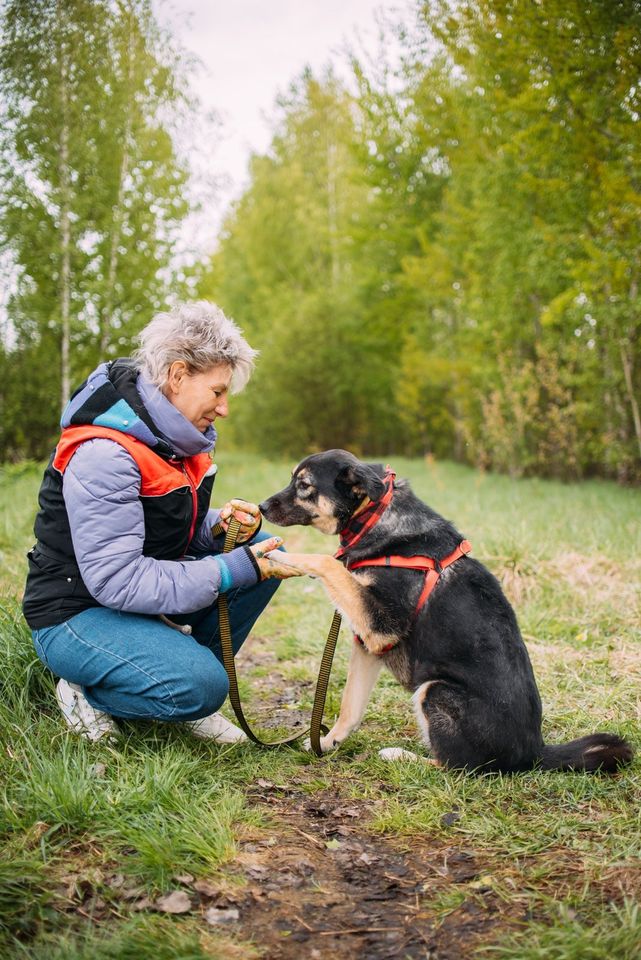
{"type": "Point", "coordinates": [447, 260]}
{"type": "Point", "coordinates": [91, 194]}
{"type": "Point", "coordinates": [569, 937]}
{"type": "Point", "coordinates": [289, 269]}
{"type": "Point", "coordinates": [440, 257]}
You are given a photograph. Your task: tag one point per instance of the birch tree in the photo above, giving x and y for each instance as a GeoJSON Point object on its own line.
{"type": "Point", "coordinates": [92, 190]}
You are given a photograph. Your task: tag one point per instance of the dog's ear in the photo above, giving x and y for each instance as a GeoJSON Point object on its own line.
{"type": "Point", "coordinates": [362, 480]}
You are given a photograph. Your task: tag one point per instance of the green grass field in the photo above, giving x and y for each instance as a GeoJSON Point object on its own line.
{"type": "Point", "coordinates": [93, 836]}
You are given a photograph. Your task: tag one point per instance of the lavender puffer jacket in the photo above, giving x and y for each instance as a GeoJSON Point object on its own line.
{"type": "Point", "coordinates": [101, 492]}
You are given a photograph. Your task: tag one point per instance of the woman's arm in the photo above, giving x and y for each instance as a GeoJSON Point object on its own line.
{"type": "Point", "coordinates": [101, 489]}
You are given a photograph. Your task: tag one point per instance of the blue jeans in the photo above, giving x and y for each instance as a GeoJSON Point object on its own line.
{"type": "Point", "coordinates": [135, 666]}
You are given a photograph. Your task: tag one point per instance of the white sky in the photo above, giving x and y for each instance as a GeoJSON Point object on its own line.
{"type": "Point", "coordinates": [251, 50]}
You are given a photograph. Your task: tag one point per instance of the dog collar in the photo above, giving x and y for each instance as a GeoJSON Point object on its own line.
{"type": "Point", "coordinates": [363, 520]}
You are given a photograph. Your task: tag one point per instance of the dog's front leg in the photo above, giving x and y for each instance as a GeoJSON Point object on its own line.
{"type": "Point", "coordinates": [362, 674]}
{"type": "Point", "coordinates": [346, 591]}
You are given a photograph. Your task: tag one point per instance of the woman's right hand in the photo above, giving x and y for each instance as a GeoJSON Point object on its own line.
{"type": "Point", "coordinates": [268, 566]}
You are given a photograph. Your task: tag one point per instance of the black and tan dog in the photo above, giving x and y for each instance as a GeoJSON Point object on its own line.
{"type": "Point", "coordinates": [435, 617]}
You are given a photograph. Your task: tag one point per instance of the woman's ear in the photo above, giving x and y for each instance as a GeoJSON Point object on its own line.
{"type": "Point", "coordinates": [362, 479]}
{"type": "Point", "coordinates": [175, 374]}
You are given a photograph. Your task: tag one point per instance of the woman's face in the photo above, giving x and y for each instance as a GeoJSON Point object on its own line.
{"type": "Point", "coordinates": [200, 397]}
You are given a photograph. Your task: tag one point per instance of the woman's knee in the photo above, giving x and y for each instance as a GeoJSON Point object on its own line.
{"type": "Point", "coordinates": [203, 691]}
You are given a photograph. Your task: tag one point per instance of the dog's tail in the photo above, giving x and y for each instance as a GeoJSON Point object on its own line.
{"type": "Point", "coordinates": [605, 752]}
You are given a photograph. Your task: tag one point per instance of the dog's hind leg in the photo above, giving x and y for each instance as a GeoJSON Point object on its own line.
{"type": "Point", "coordinates": [398, 753]}
{"type": "Point", "coordinates": [362, 674]}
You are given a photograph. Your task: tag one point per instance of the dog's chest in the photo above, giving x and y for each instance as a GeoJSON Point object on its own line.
{"type": "Point", "coordinates": [398, 663]}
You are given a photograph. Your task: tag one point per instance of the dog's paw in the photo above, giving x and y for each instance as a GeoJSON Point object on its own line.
{"type": "Point", "coordinates": [285, 560]}
{"type": "Point", "coordinates": [397, 753]}
{"type": "Point", "coordinates": [325, 744]}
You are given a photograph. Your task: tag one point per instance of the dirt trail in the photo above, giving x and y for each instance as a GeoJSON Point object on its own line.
{"type": "Point", "coordinates": [321, 887]}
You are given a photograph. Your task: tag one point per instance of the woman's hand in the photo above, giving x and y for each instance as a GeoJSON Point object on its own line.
{"type": "Point", "coordinates": [247, 514]}
{"type": "Point", "coordinates": [269, 566]}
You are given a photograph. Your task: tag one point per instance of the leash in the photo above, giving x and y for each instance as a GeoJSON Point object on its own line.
{"type": "Point", "coordinates": [317, 727]}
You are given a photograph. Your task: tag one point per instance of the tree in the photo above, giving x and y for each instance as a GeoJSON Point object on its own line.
{"type": "Point", "coordinates": [536, 250]}
{"type": "Point", "coordinates": [92, 189]}
{"type": "Point", "coordinates": [286, 269]}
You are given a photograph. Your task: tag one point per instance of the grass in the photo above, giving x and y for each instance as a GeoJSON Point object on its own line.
{"type": "Point", "coordinates": [561, 853]}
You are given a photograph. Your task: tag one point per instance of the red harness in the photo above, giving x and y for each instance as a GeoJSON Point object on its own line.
{"type": "Point", "coordinates": [433, 568]}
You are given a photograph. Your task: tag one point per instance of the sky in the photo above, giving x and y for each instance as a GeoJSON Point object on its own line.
{"type": "Point", "coordinates": [250, 51]}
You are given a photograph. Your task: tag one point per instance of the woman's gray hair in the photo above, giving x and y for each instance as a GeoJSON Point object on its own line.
{"type": "Point", "coordinates": [201, 336]}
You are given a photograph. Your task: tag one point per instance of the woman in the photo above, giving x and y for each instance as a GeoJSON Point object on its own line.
{"type": "Point", "coordinates": [124, 535]}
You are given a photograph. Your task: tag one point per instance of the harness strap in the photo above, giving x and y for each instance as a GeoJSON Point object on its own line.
{"type": "Point", "coordinates": [432, 576]}
{"type": "Point", "coordinates": [433, 569]}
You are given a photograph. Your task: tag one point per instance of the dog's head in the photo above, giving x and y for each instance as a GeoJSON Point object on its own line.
{"type": "Point", "coordinates": [324, 492]}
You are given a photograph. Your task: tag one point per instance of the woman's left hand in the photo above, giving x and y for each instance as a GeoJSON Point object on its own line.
{"type": "Point", "coordinates": [247, 514]}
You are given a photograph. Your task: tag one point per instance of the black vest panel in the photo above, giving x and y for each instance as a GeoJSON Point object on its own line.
{"type": "Point", "coordinates": [55, 590]}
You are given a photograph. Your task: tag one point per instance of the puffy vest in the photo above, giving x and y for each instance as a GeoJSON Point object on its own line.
{"type": "Point", "coordinates": [174, 494]}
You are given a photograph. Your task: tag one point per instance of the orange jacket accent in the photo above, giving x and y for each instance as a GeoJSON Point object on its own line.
{"type": "Point", "coordinates": [158, 475]}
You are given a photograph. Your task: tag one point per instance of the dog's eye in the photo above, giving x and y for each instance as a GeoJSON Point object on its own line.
{"type": "Point", "coordinates": [304, 487]}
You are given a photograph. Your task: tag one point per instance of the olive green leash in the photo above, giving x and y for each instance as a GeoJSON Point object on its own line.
{"type": "Point", "coordinates": [317, 726]}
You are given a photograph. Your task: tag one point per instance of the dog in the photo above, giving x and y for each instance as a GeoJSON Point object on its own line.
{"type": "Point", "coordinates": [433, 615]}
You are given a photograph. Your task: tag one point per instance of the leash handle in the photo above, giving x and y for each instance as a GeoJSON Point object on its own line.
{"type": "Point", "coordinates": [316, 727]}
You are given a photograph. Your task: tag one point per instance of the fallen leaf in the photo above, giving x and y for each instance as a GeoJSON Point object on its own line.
{"type": "Point", "coordinates": [132, 893]}
{"type": "Point", "coordinates": [206, 888]}
{"type": "Point", "coordinates": [288, 879]}
{"type": "Point", "coordinates": [484, 881]}
{"type": "Point", "coordinates": [95, 907]}
{"type": "Point", "coordinates": [215, 915]}
{"type": "Point", "coordinates": [143, 904]}
{"type": "Point", "coordinates": [367, 859]}
{"type": "Point", "coordinates": [449, 818]}
{"type": "Point", "coordinates": [36, 832]}
{"type": "Point", "coordinates": [175, 902]}
{"type": "Point", "coordinates": [346, 812]}
{"type": "Point", "coordinates": [184, 878]}
{"type": "Point", "coordinates": [333, 844]}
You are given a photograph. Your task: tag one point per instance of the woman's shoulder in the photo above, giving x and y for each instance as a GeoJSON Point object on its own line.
{"type": "Point", "coordinates": [104, 465]}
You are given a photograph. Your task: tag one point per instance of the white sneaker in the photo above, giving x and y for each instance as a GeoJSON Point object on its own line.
{"type": "Point", "coordinates": [217, 728]}
{"type": "Point", "coordinates": [81, 716]}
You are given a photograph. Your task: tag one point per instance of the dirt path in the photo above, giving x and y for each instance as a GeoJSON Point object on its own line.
{"type": "Point", "coordinates": [321, 887]}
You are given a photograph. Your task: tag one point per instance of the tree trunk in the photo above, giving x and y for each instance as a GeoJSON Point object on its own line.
{"type": "Point", "coordinates": [629, 384]}
{"type": "Point", "coordinates": [65, 223]}
{"type": "Point", "coordinates": [332, 212]}
{"type": "Point", "coordinates": [626, 363]}
{"type": "Point", "coordinates": [106, 317]}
